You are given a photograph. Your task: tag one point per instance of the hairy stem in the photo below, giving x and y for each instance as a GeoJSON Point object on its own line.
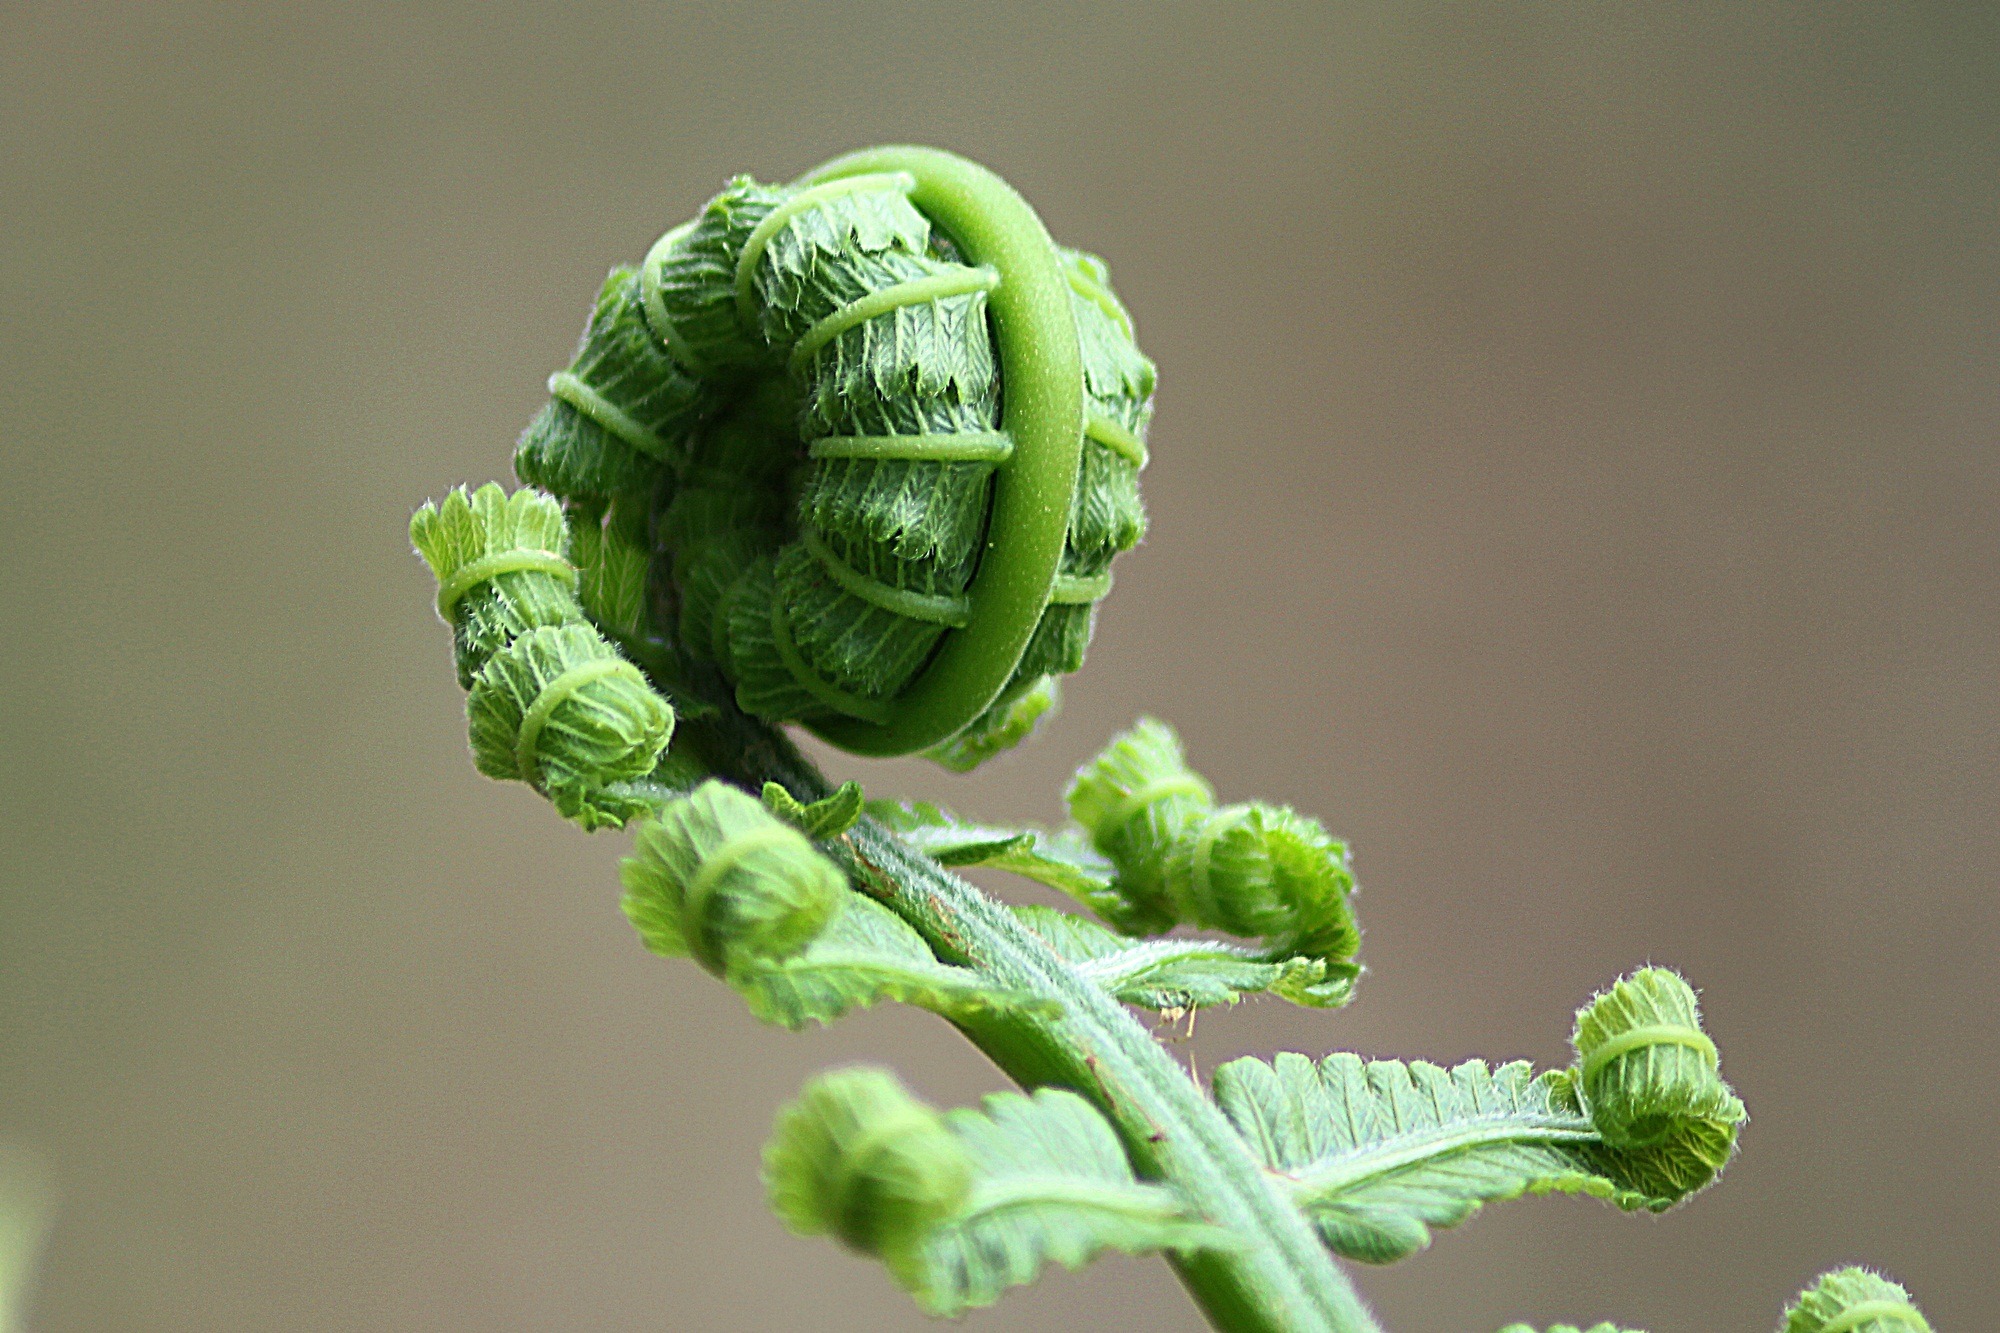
{"type": "Point", "coordinates": [1281, 1280]}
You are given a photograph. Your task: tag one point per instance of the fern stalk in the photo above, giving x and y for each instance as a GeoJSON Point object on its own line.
{"type": "Point", "coordinates": [1280, 1278]}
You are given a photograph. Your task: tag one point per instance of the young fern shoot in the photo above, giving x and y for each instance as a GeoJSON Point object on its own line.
{"type": "Point", "coordinates": [857, 454]}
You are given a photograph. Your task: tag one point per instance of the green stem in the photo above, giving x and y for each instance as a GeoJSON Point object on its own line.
{"type": "Point", "coordinates": [1282, 1280]}
{"type": "Point", "coordinates": [1034, 332]}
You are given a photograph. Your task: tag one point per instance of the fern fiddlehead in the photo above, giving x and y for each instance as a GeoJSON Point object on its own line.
{"type": "Point", "coordinates": [1249, 869]}
{"type": "Point", "coordinates": [719, 877]}
{"type": "Point", "coordinates": [1379, 1152]}
{"type": "Point", "coordinates": [857, 1156]}
{"type": "Point", "coordinates": [858, 453]}
{"type": "Point", "coordinates": [1846, 1300]}
{"type": "Point", "coordinates": [1648, 1077]}
{"type": "Point", "coordinates": [550, 700]}
{"type": "Point", "coordinates": [963, 1205]}
{"type": "Point", "coordinates": [894, 435]}
{"type": "Point", "coordinates": [1854, 1300]}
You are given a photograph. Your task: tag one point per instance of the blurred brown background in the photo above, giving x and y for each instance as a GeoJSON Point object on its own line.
{"type": "Point", "coordinates": [1575, 478]}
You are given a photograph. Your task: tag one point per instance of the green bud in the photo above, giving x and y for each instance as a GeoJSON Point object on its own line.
{"type": "Point", "coordinates": [1645, 1065]}
{"type": "Point", "coordinates": [1854, 1300]}
{"type": "Point", "coordinates": [1646, 1076]}
{"type": "Point", "coordinates": [690, 281]}
{"type": "Point", "coordinates": [1138, 800]}
{"type": "Point", "coordinates": [718, 876]}
{"type": "Point", "coordinates": [618, 413]}
{"type": "Point", "coordinates": [559, 709]}
{"type": "Point", "coordinates": [858, 1157]}
{"type": "Point", "coordinates": [501, 568]}
{"type": "Point", "coordinates": [1261, 870]}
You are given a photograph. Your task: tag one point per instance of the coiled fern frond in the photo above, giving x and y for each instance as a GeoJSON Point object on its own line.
{"type": "Point", "coordinates": [1854, 1300]}
{"type": "Point", "coordinates": [858, 452]}
{"type": "Point", "coordinates": [550, 701]}
{"type": "Point", "coordinates": [963, 1205]}
{"type": "Point", "coordinates": [720, 877]}
{"type": "Point", "coordinates": [1847, 1300]}
{"type": "Point", "coordinates": [891, 436]}
{"type": "Point", "coordinates": [1380, 1152]}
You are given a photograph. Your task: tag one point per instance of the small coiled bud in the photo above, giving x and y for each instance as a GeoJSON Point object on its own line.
{"type": "Point", "coordinates": [1645, 1067]}
{"type": "Point", "coordinates": [690, 282]}
{"type": "Point", "coordinates": [501, 566]}
{"type": "Point", "coordinates": [1854, 1300]}
{"type": "Point", "coordinates": [718, 876]}
{"type": "Point", "coordinates": [858, 1157]}
{"type": "Point", "coordinates": [1265, 870]}
{"type": "Point", "coordinates": [616, 416]}
{"type": "Point", "coordinates": [1255, 870]}
{"type": "Point", "coordinates": [1138, 800]}
{"type": "Point", "coordinates": [560, 710]}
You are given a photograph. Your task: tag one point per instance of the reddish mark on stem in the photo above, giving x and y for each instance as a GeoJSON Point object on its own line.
{"type": "Point", "coordinates": [943, 917]}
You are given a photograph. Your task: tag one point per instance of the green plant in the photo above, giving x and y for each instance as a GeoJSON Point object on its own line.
{"type": "Point", "coordinates": [857, 453]}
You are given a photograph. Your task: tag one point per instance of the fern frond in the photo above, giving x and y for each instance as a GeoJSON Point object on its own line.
{"type": "Point", "coordinates": [1138, 800]}
{"type": "Point", "coordinates": [1013, 717]}
{"type": "Point", "coordinates": [961, 1210]}
{"type": "Point", "coordinates": [1379, 1152]}
{"type": "Point", "coordinates": [1063, 860]}
{"type": "Point", "coordinates": [501, 562]}
{"type": "Point", "coordinates": [1050, 1185]}
{"type": "Point", "coordinates": [824, 819]}
{"type": "Point", "coordinates": [1177, 973]}
{"type": "Point", "coordinates": [1165, 973]}
{"type": "Point", "coordinates": [612, 556]}
{"type": "Point", "coordinates": [865, 956]}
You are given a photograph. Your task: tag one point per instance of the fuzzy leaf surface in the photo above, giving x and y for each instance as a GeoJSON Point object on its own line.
{"type": "Point", "coordinates": [866, 955]}
{"type": "Point", "coordinates": [1379, 1152]}
{"type": "Point", "coordinates": [1854, 1300]}
{"type": "Point", "coordinates": [1051, 1184]}
{"type": "Point", "coordinates": [1064, 860]}
{"type": "Point", "coordinates": [1170, 973]}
